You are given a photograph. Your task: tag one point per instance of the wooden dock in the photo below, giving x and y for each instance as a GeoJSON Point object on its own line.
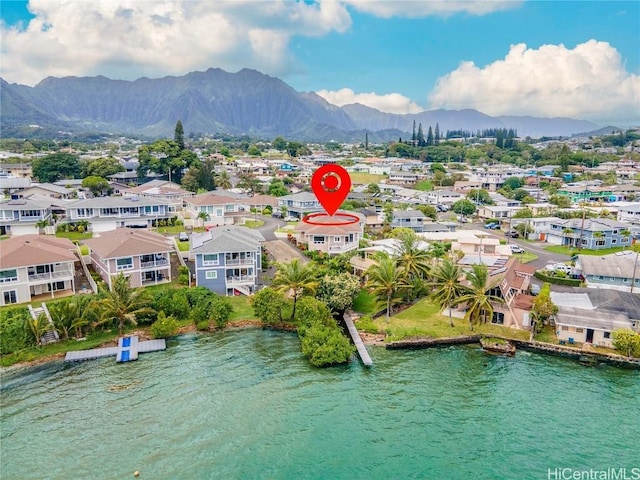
{"type": "Point", "coordinates": [357, 341]}
{"type": "Point", "coordinates": [127, 350]}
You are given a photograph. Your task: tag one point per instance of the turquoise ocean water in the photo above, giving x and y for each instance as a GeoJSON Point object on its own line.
{"type": "Point", "coordinates": [246, 405]}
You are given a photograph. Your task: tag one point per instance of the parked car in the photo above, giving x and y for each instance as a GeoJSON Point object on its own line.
{"type": "Point", "coordinates": [442, 208]}
{"type": "Point", "coordinates": [490, 225]}
{"type": "Point", "coordinates": [559, 267]}
{"type": "Point", "coordinates": [183, 237]}
{"type": "Point", "coordinates": [534, 289]}
{"type": "Point", "coordinates": [513, 234]}
{"type": "Point", "coordinates": [290, 218]}
{"type": "Point", "coordinates": [516, 248]}
{"type": "Point", "coordinates": [462, 219]}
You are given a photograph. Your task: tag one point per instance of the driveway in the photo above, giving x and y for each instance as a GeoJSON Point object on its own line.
{"type": "Point", "coordinates": [283, 251]}
{"type": "Point", "coordinates": [270, 226]}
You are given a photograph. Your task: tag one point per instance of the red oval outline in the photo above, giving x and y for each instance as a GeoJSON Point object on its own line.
{"type": "Point", "coordinates": [353, 219]}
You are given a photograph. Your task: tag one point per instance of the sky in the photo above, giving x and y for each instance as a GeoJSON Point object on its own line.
{"type": "Point", "coordinates": [578, 59]}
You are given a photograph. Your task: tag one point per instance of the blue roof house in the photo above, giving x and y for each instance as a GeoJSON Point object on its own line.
{"type": "Point", "coordinates": [228, 259]}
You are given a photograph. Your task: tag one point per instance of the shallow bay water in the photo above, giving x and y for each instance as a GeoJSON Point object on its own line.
{"type": "Point", "coordinates": [246, 405]}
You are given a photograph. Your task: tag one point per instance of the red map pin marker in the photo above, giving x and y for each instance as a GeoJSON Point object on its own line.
{"type": "Point", "coordinates": [331, 184]}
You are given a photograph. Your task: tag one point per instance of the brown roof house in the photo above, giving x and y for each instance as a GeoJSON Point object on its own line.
{"type": "Point", "coordinates": [331, 239]}
{"type": "Point", "coordinates": [35, 265]}
{"type": "Point", "coordinates": [514, 289]}
{"type": "Point", "coordinates": [141, 255]}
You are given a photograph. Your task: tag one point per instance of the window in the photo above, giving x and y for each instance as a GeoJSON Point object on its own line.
{"type": "Point", "coordinates": [600, 243]}
{"type": "Point", "coordinates": [10, 297]}
{"type": "Point", "coordinates": [211, 275]}
{"type": "Point", "coordinates": [565, 329]}
{"type": "Point", "coordinates": [579, 330]}
{"type": "Point", "coordinates": [614, 241]}
{"type": "Point", "coordinates": [124, 263]}
{"type": "Point", "coordinates": [8, 276]}
{"type": "Point", "coordinates": [318, 239]}
{"type": "Point", "coordinates": [211, 259]}
{"type": "Point", "coordinates": [498, 318]}
{"type": "Point", "coordinates": [606, 334]}
{"type": "Point", "coordinates": [337, 239]}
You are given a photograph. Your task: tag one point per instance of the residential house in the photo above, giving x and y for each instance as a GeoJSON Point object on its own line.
{"type": "Point", "coordinates": [403, 178]}
{"type": "Point", "coordinates": [218, 209]}
{"type": "Point", "coordinates": [47, 190]}
{"type": "Point", "coordinates": [473, 247]}
{"type": "Point", "coordinates": [108, 213]}
{"type": "Point", "coordinates": [372, 219]}
{"type": "Point", "coordinates": [537, 226]}
{"type": "Point", "coordinates": [300, 204]}
{"type": "Point", "coordinates": [23, 216]}
{"type": "Point", "coordinates": [591, 234]}
{"type": "Point", "coordinates": [366, 258]}
{"type": "Point", "coordinates": [443, 197]}
{"type": "Point", "coordinates": [331, 239]}
{"type": "Point", "coordinates": [228, 259]}
{"type": "Point", "coordinates": [171, 192]}
{"type": "Point", "coordinates": [413, 219]}
{"type": "Point", "coordinates": [513, 284]}
{"type": "Point", "coordinates": [617, 271]}
{"type": "Point", "coordinates": [141, 255]}
{"type": "Point", "coordinates": [591, 316]}
{"type": "Point", "coordinates": [500, 212]}
{"type": "Point", "coordinates": [629, 214]}
{"type": "Point", "coordinates": [34, 265]}
{"type": "Point", "coordinates": [17, 170]}
{"type": "Point", "coordinates": [588, 193]}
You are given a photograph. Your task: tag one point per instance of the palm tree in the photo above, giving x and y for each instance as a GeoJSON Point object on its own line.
{"type": "Point", "coordinates": [224, 180]}
{"type": "Point", "coordinates": [122, 303]}
{"type": "Point", "coordinates": [38, 327]}
{"type": "Point", "coordinates": [478, 301]}
{"type": "Point", "coordinates": [412, 260]}
{"type": "Point", "coordinates": [447, 286]}
{"type": "Point", "coordinates": [295, 279]}
{"type": "Point", "coordinates": [72, 314]}
{"type": "Point", "coordinates": [386, 279]}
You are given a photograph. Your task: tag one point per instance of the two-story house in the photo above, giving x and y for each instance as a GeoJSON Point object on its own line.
{"type": "Point", "coordinates": [23, 216]}
{"type": "Point", "coordinates": [300, 204]}
{"type": "Point", "coordinates": [331, 239]}
{"type": "Point", "coordinates": [413, 219]}
{"type": "Point", "coordinates": [171, 192]}
{"type": "Point", "coordinates": [228, 259]}
{"type": "Point", "coordinates": [141, 255]}
{"type": "Point", "coordinates": [629, 214]}
{"type": "Point", "coordinates": [35, 265]}
{"type": "Point", "coordinates": [109, 213]}
{"type": "Point", "coordinates": [591, 234]}
{"type": "Point", "coordinates": [214, 209]}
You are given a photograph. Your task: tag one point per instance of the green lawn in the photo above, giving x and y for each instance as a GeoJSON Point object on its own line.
{"type": "Point", "coordinates": [242, 309]}
{"type": "Point", "coordinates": [526, 257]}
{"type": "Point", "coordinates": [84, 250]}
{"type": "Point", "coordinates": [253, 223]}
{"type": "Point", "coordinates": [365, 303]}
{"type": "Point", "coordinates": [74, 236]}
{"type": "Point", "coordinates": [365, 178]}
{"type": "Point", "coordinates": [424, 319]}
{"type": "Point", "coordinates": [170, 230]}
{"type": "Point", "coordinates": [574, 251]}
{"type": "Point", "coordinates": [183, 246]}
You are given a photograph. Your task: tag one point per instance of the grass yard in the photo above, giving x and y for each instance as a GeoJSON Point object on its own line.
{"type": "Point", "coordinates": [183, 246]}
{"type": "Point", "coordinates": [562, 249]}
{"type": "Point", "coordinates": [526, 257]}
{"type": "Point", "coordinates": [253, 223]}
{"type": "Point", "coordinates": [424, 319]}
{"type": "Point", "coordinates": [365, 303]}
{"type": "Point", "coordinates": [84, 250]}
{"type": "Point", "coordinates": [170, 230]}
{"type": "Point", "coordinates": [74, 236]}
{"type": "Point", "coordinates": [242, 309]}
{"type": "Point", "coordinates": [365, 178]}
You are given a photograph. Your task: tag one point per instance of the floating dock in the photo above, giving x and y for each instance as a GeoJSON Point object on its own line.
{"type": "Point", "coordinates": [357, 341]}
{"type": "Point", "coordinates": [127, 350]}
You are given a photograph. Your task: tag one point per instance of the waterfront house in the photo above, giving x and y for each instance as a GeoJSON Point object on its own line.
{"type": "Point", "coordinates": [513, 287]}
{"type": "Point", "coordinates": [36, 265]}
{"type": "Point", "coordinates": [591, 234]}
{"type": "Point", "coordinates": [590, 316]}
{"type": "Point", "coordinates": [109, 213]}
{"type": "Point", "coordinates": [330, 239]}
{"type": "Point", "coordinates": [141, 255]}
{"type": "Point", "coordinates": [228, 259]}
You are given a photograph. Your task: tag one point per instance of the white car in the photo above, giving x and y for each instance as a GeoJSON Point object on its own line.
{"type": "Point", "coordinates": [516, 248]}
{"type": "Point", "coordinates": [560, 267]}
{"type": "Point", "coordinates": [290, 219]}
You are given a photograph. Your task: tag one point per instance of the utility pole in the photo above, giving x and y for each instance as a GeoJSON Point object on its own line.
{"type": "Point", "coordinates": [581, 229]}
{"type": "Point", "coordinates": [633, 279]}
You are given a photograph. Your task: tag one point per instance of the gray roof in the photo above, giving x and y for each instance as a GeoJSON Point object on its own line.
{"type": "Point", "coordinates": [618, 265]}
{"type": "Point", "coordinates": [114, 202]}
{"type": "Point", "coordinates": [300, 197]}
{"type": "Point", "coordinates": [603, 320]}
{"type": "Point", "coordinates": [27, 204]}
{"type": "Point", "coordinates": [408, 214]}
{"type": "Point", "coordinates": [592, 225]}
{"type": "Point", "coordinates": [52, 187]}
{"type": "Point", "coordinates": [226, 239]}
{"type": "Point", "coordinates": [434, 227]}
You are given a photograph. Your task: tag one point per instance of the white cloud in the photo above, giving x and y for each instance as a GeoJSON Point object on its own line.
{"type": "Point", "coordinates": [390, 103]}
{"type": "Point", "coordinates": [423, 8]}
{"type": "Point", "coordinates": [132, 38]}
{"type": "Point", "coordinates": [589, 81]}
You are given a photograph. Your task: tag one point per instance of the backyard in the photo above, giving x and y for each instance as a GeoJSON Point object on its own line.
{"type": "Point", "coordinates": [565, 250]}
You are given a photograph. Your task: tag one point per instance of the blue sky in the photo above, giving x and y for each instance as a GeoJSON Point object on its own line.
{"type": "Point", "coordinates": [543, 58]}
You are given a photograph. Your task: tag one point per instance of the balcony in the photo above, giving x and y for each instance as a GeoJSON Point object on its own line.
{"type": "Point", "coordinates": [163, 262]}
{"type": "Point", "coordinates": [347, 247]}
{"type": "Point", "coordinates": [238, 261]}
{"type": "Point", "coordinates": [241, 279]}
{"type": "Point", "coordinates": [35, 277]}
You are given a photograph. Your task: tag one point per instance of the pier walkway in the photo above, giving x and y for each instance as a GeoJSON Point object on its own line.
{"type": "Point", "coordinates": [127, 350]}
{"type": "Point", "coordinates": [357, 341]}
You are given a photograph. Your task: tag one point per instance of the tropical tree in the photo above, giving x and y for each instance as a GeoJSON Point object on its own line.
{"type": "Point", "coordinates": [38, 327]}
{"type": "Point", "coordinates": [224, 180]}
{"type": "Point", "coordinates": [542, 309]}
{"type": "Point", "coordinates": [627, 341]}
{"type": "Point", "coordinates": [122, 303]}
{"type": "Point", "coordinates": [412, 260]}
{"type": "Point", "coordinates": [295, 279]}
{"type": "Point", "coordinates": [56, 166]}
{"type": "Point", "coordinates": [464, 207]}
{"type": "Point", "coordinates": [178, 135]}
{"type": "Point", "coordinates": [447, 288]}
{"type": "Point", "coordinates": [385, 280]}
{"type": "Point", "coordinates": [478, 301]}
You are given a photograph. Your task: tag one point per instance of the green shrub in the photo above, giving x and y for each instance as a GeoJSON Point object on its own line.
{"type": "Point", "coordinates": [571, 282]}
{"type": "Point", "coordinates": [325, 345]}
{"type": "Point", "coordinates": [203, 325]}
{"type": "Point", "coordinates": [13, 334]}
{"type": "Point", "coordinates": [221, 310]}
{"type": "Point", "coordinates": [365, 324]}
{"type": "Point", "coordinates": [164, 326]}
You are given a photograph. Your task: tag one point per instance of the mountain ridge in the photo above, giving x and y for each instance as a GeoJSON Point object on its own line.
{"type": "Point", "coordinates": [246, 102]}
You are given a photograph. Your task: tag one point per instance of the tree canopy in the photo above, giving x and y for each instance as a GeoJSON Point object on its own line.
{"type": "Point", "coordinates": [55, 167]}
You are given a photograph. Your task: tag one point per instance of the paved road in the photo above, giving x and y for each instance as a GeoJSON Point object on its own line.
{"type": "Point", "coordinates": [283, 251]}
{"type": "Point", "coordinates": [270, 226]}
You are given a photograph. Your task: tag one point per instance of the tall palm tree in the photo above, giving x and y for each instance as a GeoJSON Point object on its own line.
{"type": "Point", "coordinates": [386, 279]}
{"type": "Point", "coordinates": [447, 288]}
{"type": "Point", "coordinates": [412, 260]}
{"type": "Point", "coordinates": [122, 303]}
{"type": "Point", "coordinates": [478, 301]}
{"type": "Point", "coordinates": [223, 180]}
{"type": "Point", "coordinates": [295, 279]}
